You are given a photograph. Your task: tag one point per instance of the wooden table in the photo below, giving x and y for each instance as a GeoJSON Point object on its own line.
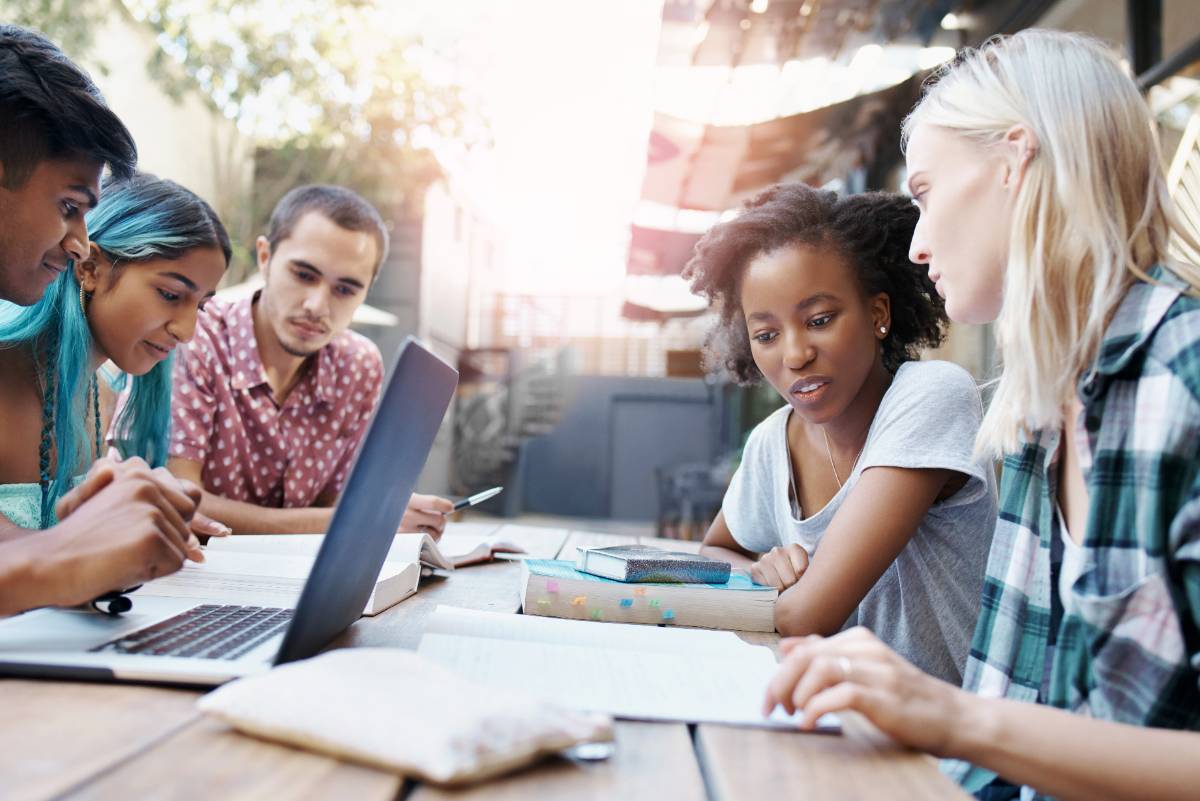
{"type": "Point", "coordinates": [63, 740]}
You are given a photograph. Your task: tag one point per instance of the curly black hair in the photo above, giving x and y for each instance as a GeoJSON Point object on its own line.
{"type": "Point", "coordinates": [872, 231]}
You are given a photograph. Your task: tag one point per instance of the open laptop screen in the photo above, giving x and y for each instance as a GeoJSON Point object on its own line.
{"type": "Point", "coordinates": [393, 453]}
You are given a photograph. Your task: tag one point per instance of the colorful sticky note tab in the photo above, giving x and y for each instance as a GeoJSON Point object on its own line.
{"type": "Point", "coordinates": [668, 614]}
{"type": "Point", "coordinates": [543, 601]}
{"type": "Point", "coordinates": [626, 602]}
{"type": "Point", "coordinates": [551, 586]}
{"type": "Point", "coordinates": [595, 614]}
{"type": "Point", "coordinates": [579, 600]}
{"type": "Point", "coordinates": [654, 602]}
{"type": "Point", "coordinates": [639, 591]}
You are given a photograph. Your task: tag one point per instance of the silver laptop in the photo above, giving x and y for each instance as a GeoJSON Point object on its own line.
{"type": "Point", "coordinates": [185, 642]}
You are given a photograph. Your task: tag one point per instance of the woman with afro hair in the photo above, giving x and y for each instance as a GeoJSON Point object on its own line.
{"type": "Point", "coordinates": [860, 498]}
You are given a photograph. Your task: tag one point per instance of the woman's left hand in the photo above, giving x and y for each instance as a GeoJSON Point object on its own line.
{"type": "Point", "coordinates": [855, 671]}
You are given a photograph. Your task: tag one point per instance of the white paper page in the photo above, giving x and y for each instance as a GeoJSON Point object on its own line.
{"type": "Point", "coordinates": [404, 548]}
{"type": "Point", "coordinates": [291, 565]}
{"type": "Point", "coordinates": [456, 546]}
{"type": "Point", "coordinates": [609, 636]}
{"type": "Point", "coordinates": [282, 544]}
{"type": "Point", "coordinates": [628, 684]}
{"type": "Point", "coordinates": [538, 542]}
{"type": "Point", "coordinates": [237, 578]}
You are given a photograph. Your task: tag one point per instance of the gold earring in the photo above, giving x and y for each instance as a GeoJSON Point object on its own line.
{"type": "Point", "coordinates": [82, 300]}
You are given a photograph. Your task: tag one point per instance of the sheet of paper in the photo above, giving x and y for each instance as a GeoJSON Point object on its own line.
{"type": "Point", "coordinates": [719, 687]}
{"type": "Point", "coordinates": [607, 636]}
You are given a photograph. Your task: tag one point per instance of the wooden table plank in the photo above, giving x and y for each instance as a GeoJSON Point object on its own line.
{"type": "Point", "coordinates": [751, 764]}
{"type": "Point", "coordinates": [208, 760]}
{"type": "Point", "coordinates": [59, 734]}
{"type": "Point", "coordinates": [652, 761]}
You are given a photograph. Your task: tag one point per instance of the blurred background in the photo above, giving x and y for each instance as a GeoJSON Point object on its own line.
{"type": "Point", "coordinates": [546, 167]}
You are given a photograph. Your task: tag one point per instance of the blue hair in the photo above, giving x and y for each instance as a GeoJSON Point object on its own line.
{"type": "Point", "coordinates": [137, 219]}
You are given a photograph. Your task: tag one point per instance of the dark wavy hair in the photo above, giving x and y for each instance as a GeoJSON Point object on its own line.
{"type": "Point", "coordinates": [50, 108]}
{"type": "Point", "coordinates": [871, 231]}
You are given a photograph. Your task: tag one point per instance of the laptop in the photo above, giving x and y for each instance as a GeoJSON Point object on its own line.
{"type": "Point", "coordinates": [182, 641]}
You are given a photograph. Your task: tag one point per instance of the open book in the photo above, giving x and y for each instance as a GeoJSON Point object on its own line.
{"type": "Point", "coordinates": [273, 579]}
{"type": "Point", "coordinates": [405, 548]}
{"type": "Point", "coordinates": [454, 550]}
{"type": "Point", "coordinates": [637, 672]}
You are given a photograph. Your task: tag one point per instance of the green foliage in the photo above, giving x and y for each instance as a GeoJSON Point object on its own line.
{"type": "Point", "coordinates": [323, 86]}
{"type": "Point", "coordinates": [68, 23]}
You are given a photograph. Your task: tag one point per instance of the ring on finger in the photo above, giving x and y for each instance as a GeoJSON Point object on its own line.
{"type": "Point", "coordinates": [844, 665]}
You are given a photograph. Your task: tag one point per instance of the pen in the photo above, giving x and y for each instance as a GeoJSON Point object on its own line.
{"type": "Point", "coordinates": [478, 497]}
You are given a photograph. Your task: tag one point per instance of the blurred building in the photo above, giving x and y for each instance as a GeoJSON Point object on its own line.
{"type": "Point", "coordinates": [595, 403]}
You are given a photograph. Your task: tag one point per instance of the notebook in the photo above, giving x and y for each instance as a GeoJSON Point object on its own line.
{"type": "Point", "coordinates": [635, 672]}
{"type": "Point", "coordinates": [553, 588]}
{"type": "Point", "coordinates": [645, 563]}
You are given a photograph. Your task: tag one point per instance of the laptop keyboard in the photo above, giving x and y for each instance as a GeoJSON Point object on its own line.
{"type": "Point", "coordinates": [209, 631]}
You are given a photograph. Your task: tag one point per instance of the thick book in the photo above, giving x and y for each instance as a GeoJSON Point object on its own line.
{"type": "Point", "coordinates": [553, 588]}
{"type": "Point", "coordinates": [272, 579]}
{"type": "Point", "coordinates": [644, 563]}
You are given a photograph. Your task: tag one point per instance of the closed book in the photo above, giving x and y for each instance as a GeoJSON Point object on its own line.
{"type": "Point", "coordinates": [642, 563]}
{"type": "Point", "coordinates": [553, 588]}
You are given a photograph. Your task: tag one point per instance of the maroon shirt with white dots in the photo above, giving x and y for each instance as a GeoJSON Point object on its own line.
{"type": "Point", "coordinates": [224, 416]}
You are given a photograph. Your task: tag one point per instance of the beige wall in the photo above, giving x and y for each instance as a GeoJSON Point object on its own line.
{"type": "Point", "coordinates": [188, 140]}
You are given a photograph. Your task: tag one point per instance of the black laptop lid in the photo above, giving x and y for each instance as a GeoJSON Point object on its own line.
{"type": "Point", "coordinates": [373, 501]}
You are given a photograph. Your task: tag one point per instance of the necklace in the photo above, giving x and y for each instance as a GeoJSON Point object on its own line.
{"type": "Point", "coordinates": [829, 452]}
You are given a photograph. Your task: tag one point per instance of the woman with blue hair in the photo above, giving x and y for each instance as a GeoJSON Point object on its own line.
{"type": "Point", "coordinates": [157, 252]}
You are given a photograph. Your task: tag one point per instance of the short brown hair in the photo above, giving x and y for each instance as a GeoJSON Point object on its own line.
{"type": "Point", "coordinates": [347, 209]}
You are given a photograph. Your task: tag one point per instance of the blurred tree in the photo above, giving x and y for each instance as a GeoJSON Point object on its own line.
{"type": "Point", "coordinates": [67, 22]}
{"type": "Point", "coordinates": [328, 89]}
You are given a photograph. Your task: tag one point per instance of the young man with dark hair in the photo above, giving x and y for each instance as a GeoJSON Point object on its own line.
{"type": "Point", "coordinates": [124, 523]}
{"type": "Point", "coordinates": [56, 135]}
{"type": "Point", "coordinates": [273, 396]}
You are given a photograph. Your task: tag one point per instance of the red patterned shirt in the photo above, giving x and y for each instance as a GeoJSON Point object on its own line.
{"type": "Point", "coordinates": [224, 415]}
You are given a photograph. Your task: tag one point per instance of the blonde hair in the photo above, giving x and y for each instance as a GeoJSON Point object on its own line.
{"type": "Point", "coordinates": [1091, 217]}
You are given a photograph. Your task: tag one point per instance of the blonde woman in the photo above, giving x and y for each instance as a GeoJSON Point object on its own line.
{"type": "Point", "coordinates": [1043, 207]}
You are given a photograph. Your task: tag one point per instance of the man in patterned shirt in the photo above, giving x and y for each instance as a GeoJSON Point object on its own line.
{"type": "Point", "coordinates": [273, 395]}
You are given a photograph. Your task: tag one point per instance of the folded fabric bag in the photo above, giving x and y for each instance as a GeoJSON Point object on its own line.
{"type": "Point", "coordinates": [391, 709]}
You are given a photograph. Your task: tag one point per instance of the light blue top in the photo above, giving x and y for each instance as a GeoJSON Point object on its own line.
{"type": "Point", "coordinates": [22, 504]}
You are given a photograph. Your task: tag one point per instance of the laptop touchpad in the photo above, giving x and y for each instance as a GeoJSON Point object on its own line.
{"type": "Point", "coordinates": [78, 630]}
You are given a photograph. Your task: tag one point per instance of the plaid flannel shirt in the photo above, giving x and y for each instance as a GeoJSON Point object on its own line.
{"type": "Point", "coordinates": [1127, 647]}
